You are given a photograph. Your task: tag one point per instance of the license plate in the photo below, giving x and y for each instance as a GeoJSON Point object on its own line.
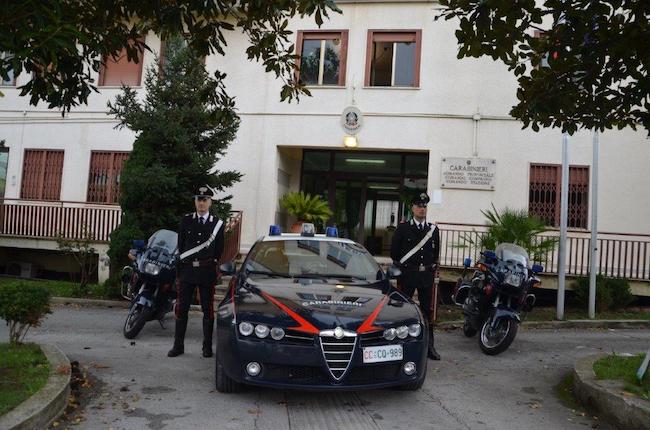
{"type": "Point", "coordinates": [376, 354]}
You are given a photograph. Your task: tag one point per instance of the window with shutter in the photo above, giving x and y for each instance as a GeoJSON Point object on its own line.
{"type": "Point", "coordinates": [42, 171]}
{"type": "Point", "coordinates": [104, 176]}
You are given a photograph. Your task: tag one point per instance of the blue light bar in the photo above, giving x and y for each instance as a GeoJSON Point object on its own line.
{"type": "Point", "coordinates": [274, 230]}
{"type": "Point", "coordinates": [332, 232]}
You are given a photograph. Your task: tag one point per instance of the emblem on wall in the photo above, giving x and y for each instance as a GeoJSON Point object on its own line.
{"type": "Point", "coordinates": [351, 119]}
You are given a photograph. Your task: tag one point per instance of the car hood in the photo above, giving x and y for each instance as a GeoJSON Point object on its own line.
{"type": "Point", "coordinates": [323, 305]}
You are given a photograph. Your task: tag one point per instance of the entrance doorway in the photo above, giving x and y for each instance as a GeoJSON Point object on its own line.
{"type": "Point", "coordinates": [367, 191]}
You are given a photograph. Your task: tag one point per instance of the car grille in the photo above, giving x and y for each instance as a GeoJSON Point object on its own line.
{"type": "Point", "coordinates": [337, 352]}
{"type": "Point", "coordinates": [297, 374]}
{"type": "Point", "coordinates": [297, 338]}
{"type": "Point", "coordinates": [373, 339]}
{"type": "Point", "coordinates": [373, 373]}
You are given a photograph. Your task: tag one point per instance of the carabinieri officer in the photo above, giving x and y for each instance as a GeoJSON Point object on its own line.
{"type": "Point", "coordinates": [415, 249]}
{"type": "Point", "coordinates": [200, 244]}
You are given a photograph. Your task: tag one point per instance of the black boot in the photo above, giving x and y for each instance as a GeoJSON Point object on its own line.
{"type": "Point", "coordinates": [208, 326]}
{"type": "Point", "coordinates": [179, 338]}
{"type": "Point", "coordinates": [431, 350]}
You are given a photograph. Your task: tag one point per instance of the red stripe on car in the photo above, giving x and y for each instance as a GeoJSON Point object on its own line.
{"type": "Point", "coordinates": [366, 326]}
{"type": "Point", "coordinates": [305, 326]}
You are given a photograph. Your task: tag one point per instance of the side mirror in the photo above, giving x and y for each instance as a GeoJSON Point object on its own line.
{"type": "Point", "coordinates": [537, 268]}
{"type": "Point", "coordinates": [228, 268]}
{"type": "Point", "coordinates": [138, 244]}
{"type": "Point", "coordinates": [393, 272]}
{"type": "Point", "coordinates": [467, 262]}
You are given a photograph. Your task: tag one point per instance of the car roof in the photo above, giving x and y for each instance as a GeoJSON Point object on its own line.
{"type": "Point", "coordinates": [296, 236]}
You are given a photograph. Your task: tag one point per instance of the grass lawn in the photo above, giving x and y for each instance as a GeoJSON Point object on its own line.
{"type": "Point", "coordinates": [454, 313]}
{"type": "Point", "coordinates": [23, 371]}
{"type": "Point", "coordinates": [61, 288]}
{"type": "Point", "coordinates": [624, 368]}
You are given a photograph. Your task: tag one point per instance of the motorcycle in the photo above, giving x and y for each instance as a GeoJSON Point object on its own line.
{"type": "Point", "coordinates": [495, 296]}
{"type": "Point", "coordinates": [149, 281]}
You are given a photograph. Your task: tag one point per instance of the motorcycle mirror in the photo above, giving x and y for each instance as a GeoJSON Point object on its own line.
{"type": "Point", "coordinates": [537, 268]}
{"type": "Point", "coordinates": [228, 268]}
{"type": "Point", "coordinates": [138, 244]}
{"type": "Point", "coordinates": [467, 262]}
{"type": "Point", "coordinates": [393, 272]}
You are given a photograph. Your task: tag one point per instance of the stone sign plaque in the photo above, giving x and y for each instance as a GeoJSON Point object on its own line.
{"type": "Point", "coordinates": [468, 173]}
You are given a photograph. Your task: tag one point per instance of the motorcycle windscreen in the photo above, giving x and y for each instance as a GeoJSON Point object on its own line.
{"type": "Point", "coordinates": [512, 252]}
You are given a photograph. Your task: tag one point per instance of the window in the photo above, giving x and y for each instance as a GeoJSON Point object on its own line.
{"type": "Point", "coordinates": [118, 71]}
{"type": "Point", "coordinates": [104, 176]}
{"type": "Point", "coordinates": [163, 48]}
{"type": "Point", "coordinates": [545, 189]}
{"type": "Point", "coordinates": [10, 79]}
{"type": "Point", "coordinates": [323, 57]}
{"type": "Point", "coordinates": [393, 58]}
{"type": "Point", "coordinates": [42, 170]}
{"type": "Point", "coordinates": [4, 159]}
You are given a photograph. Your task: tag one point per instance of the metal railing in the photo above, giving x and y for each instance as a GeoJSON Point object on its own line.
{"type": "Point", "coordinates": [621, 255]}
{"type": "Point", "coordinates": [35, 219]}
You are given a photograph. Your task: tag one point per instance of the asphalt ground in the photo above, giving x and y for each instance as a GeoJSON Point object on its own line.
{"type": "Point", "coordinates": [135, 385]}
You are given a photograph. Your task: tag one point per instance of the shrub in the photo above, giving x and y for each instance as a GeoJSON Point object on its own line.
{"type": "Point", "coordinates": [306, 207]}
{"type": "Point", "coordinates": [23, 306]}
{"type": "Point", "coordinates": [611, 293]}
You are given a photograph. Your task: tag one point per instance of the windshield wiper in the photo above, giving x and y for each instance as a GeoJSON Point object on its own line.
{"type": "Point", "coordinates": [329, 275]}
{"type": "Point", "coordinates": [264, 272]}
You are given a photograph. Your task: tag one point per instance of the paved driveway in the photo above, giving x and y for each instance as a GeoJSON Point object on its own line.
{"type": "Point", "coordinates": [143, 389]}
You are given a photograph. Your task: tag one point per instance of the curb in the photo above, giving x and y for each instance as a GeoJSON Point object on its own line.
{"type": "Point", "coordinates": [120, 304]}
{"type": "Point", "coordinates": [571, 324]}
{"type": "Point", "coordinates": [604, 396]}
{"type": "Point", "coordinates": [42, 408]}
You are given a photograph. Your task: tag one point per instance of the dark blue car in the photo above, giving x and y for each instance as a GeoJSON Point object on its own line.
{"type": "Point", "coordinates": [316, 312]}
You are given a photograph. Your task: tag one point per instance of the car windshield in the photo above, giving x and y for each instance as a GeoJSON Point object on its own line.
{"type": "Point", "coordinates": [512, 252]}
{"type": "Point", "coordinates": [313, 258]}
{"type": "Point", "coordinates": [165, 239]}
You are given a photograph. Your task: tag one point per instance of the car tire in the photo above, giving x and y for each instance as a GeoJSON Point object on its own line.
{"type": "Point", "coordinates": [224, 383]}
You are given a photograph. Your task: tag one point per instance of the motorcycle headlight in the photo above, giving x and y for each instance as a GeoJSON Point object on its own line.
{"type": "Point", "coordinates": [246, 328]}
{"type": "Point", "coordinates": [513, 279]}
{"type": "Point", "coordinates": [402, 331]}
{"type": "Point", "coordinates": [151, 269]}
{"type": "Point", "coordinates": [390, 333]}
{"type": "Point", "coordinates": [261, 331]}
{"type": "Point", "coordinates": [415, 330]}
{"type": "Point", "coordinates": [277, 333]}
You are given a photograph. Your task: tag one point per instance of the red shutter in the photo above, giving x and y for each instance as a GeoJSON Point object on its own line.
{"type": "Point", "coordinates": [578, 196]}
{"type": "Point", "coordinates": [104, 176]}
{"type": "Point", "coordinates": [42, 171]}
{"type": "Point", "coordinates": [544, 193]}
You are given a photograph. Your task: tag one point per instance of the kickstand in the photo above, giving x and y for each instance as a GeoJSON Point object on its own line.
{"type": "Point", "coordinates": [162, 323]}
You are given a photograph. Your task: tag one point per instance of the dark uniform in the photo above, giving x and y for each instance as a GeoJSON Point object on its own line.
{"type": "Point", "coordinates": [419, 270]}
{"type": "Point", "coordinates": [198, 270]}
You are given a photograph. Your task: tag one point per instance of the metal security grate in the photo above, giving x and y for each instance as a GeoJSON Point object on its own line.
{"type": "Point", "coordinates": [338, 351]}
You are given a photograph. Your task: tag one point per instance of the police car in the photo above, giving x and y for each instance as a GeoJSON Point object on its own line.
{"type": "Point", "coordinates": [317, 312]}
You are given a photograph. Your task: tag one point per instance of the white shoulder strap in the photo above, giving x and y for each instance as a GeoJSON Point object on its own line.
{"type": "Point", "coordinates": [205, 244]}
{"type": "Point", "coordinates": [416, 247]}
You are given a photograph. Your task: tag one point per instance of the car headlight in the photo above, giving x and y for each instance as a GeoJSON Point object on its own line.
{"type": "Point", "coordinates": [246, 328]}
{"type": "Point", "coordinates": [415, 330]}
{"type": "Point", "coordinates": [151, 269]}
{"type": "Point", "coordinates": [277, 333]}
{"type": "Point", "coordinates": [402, 331]}
{"type": "Point", "coordinates": [390, 333]}
{"type": "Point", "coordinates": [261, 331]}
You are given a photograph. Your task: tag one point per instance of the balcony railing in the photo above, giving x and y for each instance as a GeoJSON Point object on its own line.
{"type": "Point", "coordinates": [32, 219]}
{"type": "Point", "coordinates": [35, 219]}
{"type": "Point", "coordinates": [621, 255]}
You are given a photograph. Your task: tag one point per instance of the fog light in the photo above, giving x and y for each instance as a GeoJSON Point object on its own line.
{"type": "Point", "coordinates": [409, 368]}
{"type": "Point", "coordinates": [253, 368]}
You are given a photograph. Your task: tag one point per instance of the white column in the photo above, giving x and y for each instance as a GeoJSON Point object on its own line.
{"type": "Point", "coordinates": [564, 207]}
{"type": "Point", "coordinates": [594, 229]}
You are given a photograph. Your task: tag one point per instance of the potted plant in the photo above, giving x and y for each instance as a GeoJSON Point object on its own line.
{"type": "Point", "coordinates": [306, 208]}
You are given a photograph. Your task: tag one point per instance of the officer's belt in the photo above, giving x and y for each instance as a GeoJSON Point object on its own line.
{"type": "Point", "coordinates": [417, 247]}
{"type": "Point", "coordinates": [418, 268]}
{"type": "Point", "coordinates": [199, 263]}
{"type": "Point", "coordinates": [204, 244]}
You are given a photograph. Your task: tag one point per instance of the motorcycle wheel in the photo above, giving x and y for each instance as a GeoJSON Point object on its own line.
{"type": "Point", "coordinates": [468, 330]}
{"type": "Point", "coordinates": [135, 320]}
{"type": "Point", "coordinates": [493, 342]}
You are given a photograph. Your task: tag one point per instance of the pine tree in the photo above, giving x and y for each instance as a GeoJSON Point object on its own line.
{"type": "Point", "coordinates": [183, 127]}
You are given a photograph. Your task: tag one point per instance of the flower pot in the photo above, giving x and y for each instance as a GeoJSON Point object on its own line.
{"type": "Point", "coordinates": [297, 227]}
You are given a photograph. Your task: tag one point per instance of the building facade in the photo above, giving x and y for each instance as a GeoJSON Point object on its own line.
{"type": "Point", "coordinates": [383, 72]}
